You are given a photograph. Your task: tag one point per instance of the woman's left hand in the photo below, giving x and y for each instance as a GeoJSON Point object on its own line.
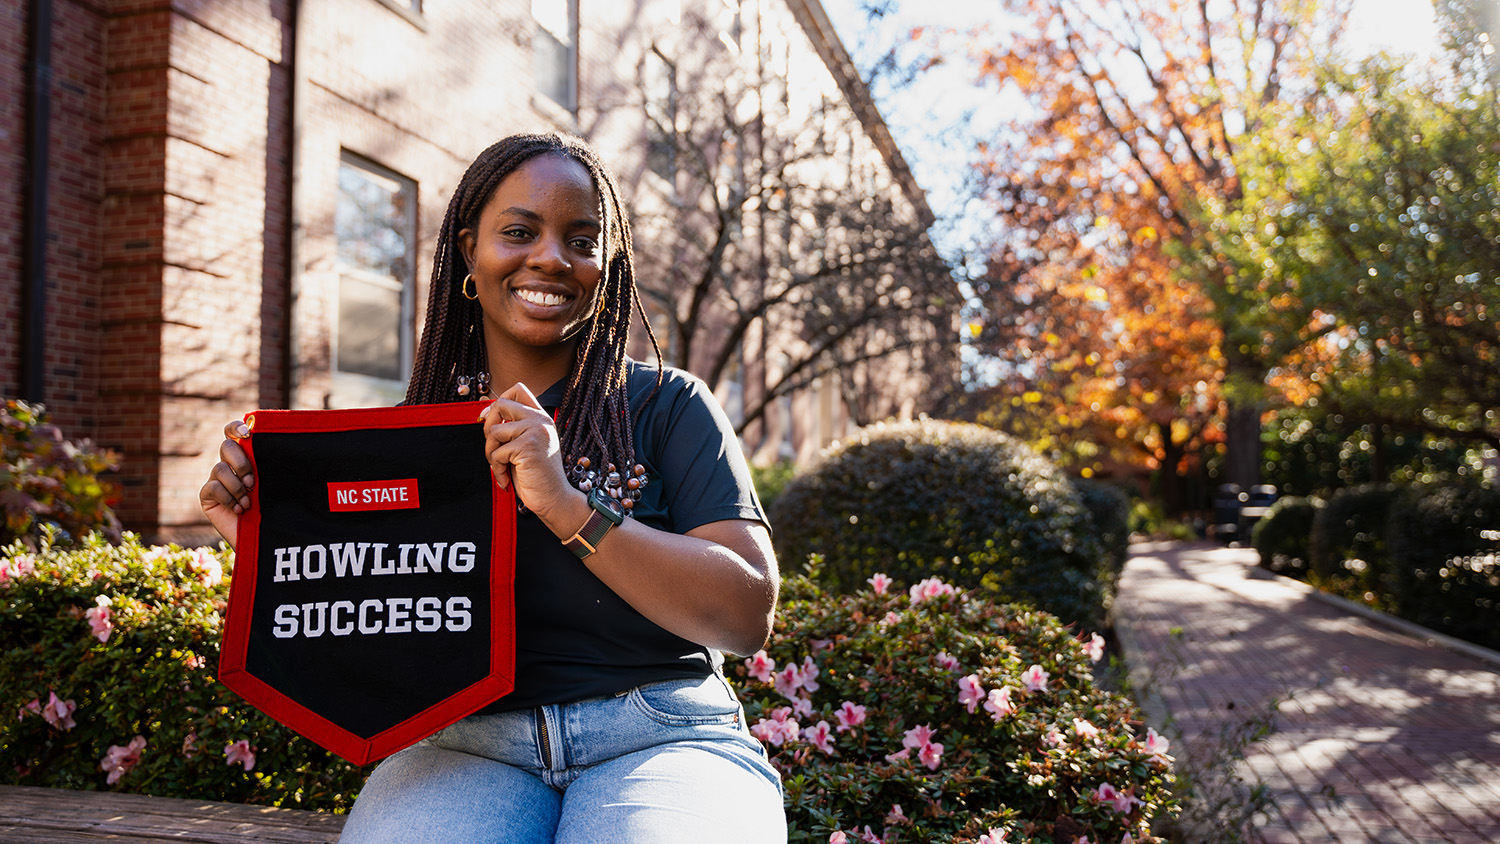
{"type": "Point", "coordinates": [522, 448]}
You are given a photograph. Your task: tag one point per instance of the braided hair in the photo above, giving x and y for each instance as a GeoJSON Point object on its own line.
{"type": "Point", "coordinates": [594, 422]}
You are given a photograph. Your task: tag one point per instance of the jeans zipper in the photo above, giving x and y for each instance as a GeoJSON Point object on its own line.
{"type": "Point", "coordinates": [544, 740]}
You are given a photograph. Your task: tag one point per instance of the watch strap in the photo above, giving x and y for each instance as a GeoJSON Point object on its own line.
{"type": "Point", "coordinates": [586, 540]}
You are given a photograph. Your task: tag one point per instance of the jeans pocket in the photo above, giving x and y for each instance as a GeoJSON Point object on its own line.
{"type": "Point", "coordinates": [688, 702]}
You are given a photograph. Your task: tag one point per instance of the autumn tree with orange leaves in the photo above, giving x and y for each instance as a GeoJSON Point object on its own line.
{"type": "Point", "coordinates": [1109, 293]}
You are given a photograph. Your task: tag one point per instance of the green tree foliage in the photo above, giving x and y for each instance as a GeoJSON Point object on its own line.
{"type": "Point", "coordinates": [1370, 232]}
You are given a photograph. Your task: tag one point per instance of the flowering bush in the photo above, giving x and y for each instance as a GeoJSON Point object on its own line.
{"type": "Point", "coordinates": [107, 656]}
{"type": "Point", "coordinates": [49, 483]}
{"type": "Point", "coordinates": [932, 715]}
{"type": "Point", "coordinates": [952, 500]}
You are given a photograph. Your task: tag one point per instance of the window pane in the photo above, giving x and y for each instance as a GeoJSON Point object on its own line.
{"type": "Point", "coordinates": [371, 223]}
{"type": "Point", "coordinates": [369, 328]}
{"type": "Point", "coordinates": [554, 68]}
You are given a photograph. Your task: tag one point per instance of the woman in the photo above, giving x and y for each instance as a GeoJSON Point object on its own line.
{"type": "Point", "coordinates": [642, 553]}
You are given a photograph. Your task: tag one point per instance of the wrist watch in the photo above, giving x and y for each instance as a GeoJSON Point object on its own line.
{"type": "Point", "coordinates": [607, 513]}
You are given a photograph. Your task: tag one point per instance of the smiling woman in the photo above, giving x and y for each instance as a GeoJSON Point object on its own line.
{"type": "Point", "coordinates": [641, 551]}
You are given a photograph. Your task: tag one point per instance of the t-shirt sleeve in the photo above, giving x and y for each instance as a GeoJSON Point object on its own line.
{"type": "Point", "coordinates": [705, 474]}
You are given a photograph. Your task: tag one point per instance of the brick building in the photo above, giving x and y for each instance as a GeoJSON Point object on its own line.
{"type": "Point", "coordinates": [217, 205]}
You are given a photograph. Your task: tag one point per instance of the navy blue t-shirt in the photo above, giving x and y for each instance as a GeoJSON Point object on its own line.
{"type": "Point", "coordinates": [575, 638]}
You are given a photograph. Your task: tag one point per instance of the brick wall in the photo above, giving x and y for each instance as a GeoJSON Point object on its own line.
{"type": "Point", "coordinates": [13, 39]}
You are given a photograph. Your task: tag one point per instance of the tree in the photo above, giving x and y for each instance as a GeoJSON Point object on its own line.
{"type": "Point", "coordinates": [771, 218]}
{"type": "Point", "coordinates": [1136, 110]}
{"type": "Point", "coordinates": [1377, 213]}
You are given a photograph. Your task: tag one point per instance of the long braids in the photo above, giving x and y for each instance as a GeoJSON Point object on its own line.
{"type": "Point", "coordinates": [594, 421]}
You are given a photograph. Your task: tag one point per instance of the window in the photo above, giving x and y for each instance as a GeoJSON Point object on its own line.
{"type": "Point", "coordinates": [555, 50]}
{"type": "Point", "coordinates": [375, 226]}
{"type": "Point", "coordinates": [659, 81]}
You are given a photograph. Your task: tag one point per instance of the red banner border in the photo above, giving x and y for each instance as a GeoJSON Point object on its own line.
{"type": "Point", "coordinates": [232, 671]}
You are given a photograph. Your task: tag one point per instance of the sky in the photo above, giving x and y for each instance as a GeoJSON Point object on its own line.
{"type": "Point", "coordinates": [936, 118]}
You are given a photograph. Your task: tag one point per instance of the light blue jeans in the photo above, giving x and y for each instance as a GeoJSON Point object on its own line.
{"type": "Point", "coordinates": [664, 763]}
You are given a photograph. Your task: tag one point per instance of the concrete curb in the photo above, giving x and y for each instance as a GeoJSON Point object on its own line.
{"type": "Point", "coordinates": [1410, 628]}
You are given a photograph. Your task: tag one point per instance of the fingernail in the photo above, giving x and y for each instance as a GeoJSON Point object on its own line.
{"type": "Point", "coordinates": [243, 430]}
{"type": "Point", "coordinates": [249, 481]}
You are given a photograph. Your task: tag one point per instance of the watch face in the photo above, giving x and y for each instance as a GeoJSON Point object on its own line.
{"type": "Point", "coordinates": [602, 501]}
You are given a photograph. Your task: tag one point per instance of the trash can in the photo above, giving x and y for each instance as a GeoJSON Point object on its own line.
{"type": "Point", "coordinates": [1227, 503]}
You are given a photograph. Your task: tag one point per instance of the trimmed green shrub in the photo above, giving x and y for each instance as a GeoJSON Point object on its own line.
{"type": "Point", "coordinates": [931, 715]}
{"type": "Point", "coordinates": [1108, 508]}
{"type": "Point", "coordinates": [107, 659]}
{"type": "Point", "coordinates": [1443, 571]}
{"type": "Point", "coordinates": [1351, 528]}
{"type": "Point", "coordinates": [771, 479]}
{"type": "Point", "coordinates": [1284, 535]}
{"type": "Point", "coordinates": [50, 485]}
{"type": "Point", "coordinates": [946, 499]}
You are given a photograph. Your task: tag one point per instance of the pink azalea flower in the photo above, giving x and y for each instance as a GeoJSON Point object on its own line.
{"type": "Point", "coordinates": [190, 745]}
{"type": "Point", "coordinates": [931, 755]}
{"type": "Point", "coordinates": [1120, 801]}
{"type": "Point", "coordinates": [928, 589]}
{"type": "Point", "coordinates": [98, 618]}
{"type": "Point", "coordinates": [194, 661]}
{"type": "Point", "coordinates": [879, 583]}
{"type": "Point", "coordinates": [820, 736]}
{"type": "Point", "coordinates": [788, 680]}
{"type": "Point", "coordinates": [900, 755]}
{"type": "Point", "coordinates": [998, 704]}
{"type": "Point", "coordinates": [34, 706]}
{"type": "Point", "coordinates": [890, 618]}
{"type": "Point", "coordinates": [1095, 647]}
{"type": "Point", "coordinates": [1034, 679]}
{"type": "Point", "coordinates": [994, 836]}
{"type": "Point", "coordinates": [810, 674]}
{"type": "Point", "coordinates": [1083, 729]}
{"type": "Point", "coordinates": [1157, 745]}
{"type": "Point", "coordinates": [850, 715]}
{"type": "Point", "coordinates": [210, 570]}
{"type": "Point", "coordinates": [802, 707]}
{"type": "Point", "coordinates": [838, 837]}
{"type": "Point", "coordinates": [947, 661]}
{"type": "Point", "coordinates": [1054, 738]}
{"type": "Point", "coordinates": [869, 836]}
{"type": "Point", "coordinates": [119, 760]}
{"type": "Point", "coordinates": [779, 729]}
{"type": "Point", "coordinates": [59, 712]}
{"type": "Point", "coordinates": [240, 753]}
{"type": "Point", "coordinates": [761, 666]}
{"type": "Point", "coordinates": [1082, 839]}
{"type": "Point", "coordinates": [1127, 839]}
{"type": "Point", "coordinates": [896, 817]}
{"type": "Point", "coordinates": [970, 692]}
{"type": "Point", "coordinates": [917, 736]}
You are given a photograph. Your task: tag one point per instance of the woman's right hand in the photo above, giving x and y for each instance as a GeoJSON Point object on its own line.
{"type": "Point", "coordinates": [226, 495]}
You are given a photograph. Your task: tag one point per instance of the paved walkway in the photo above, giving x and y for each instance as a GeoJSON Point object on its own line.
{"type": "Point", "coordinates": [1379, 735]}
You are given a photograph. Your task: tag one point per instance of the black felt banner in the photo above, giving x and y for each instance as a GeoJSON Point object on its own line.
{"type": "Point", "coordinates": [373, 594]}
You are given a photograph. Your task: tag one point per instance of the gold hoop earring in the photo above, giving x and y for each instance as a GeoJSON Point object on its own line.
{"type": "Point", "coordinates": [468, 278]}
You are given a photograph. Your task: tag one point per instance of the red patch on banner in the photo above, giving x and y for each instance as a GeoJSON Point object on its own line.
{"type": "Point", "coordinates": [373, 495]}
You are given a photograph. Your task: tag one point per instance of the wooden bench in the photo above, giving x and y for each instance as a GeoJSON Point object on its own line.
{"type": "Point", "coordinates": [57, 816]}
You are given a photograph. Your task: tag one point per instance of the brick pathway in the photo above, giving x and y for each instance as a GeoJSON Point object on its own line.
{"type": "Point", "coordinates": [1379, 735]}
